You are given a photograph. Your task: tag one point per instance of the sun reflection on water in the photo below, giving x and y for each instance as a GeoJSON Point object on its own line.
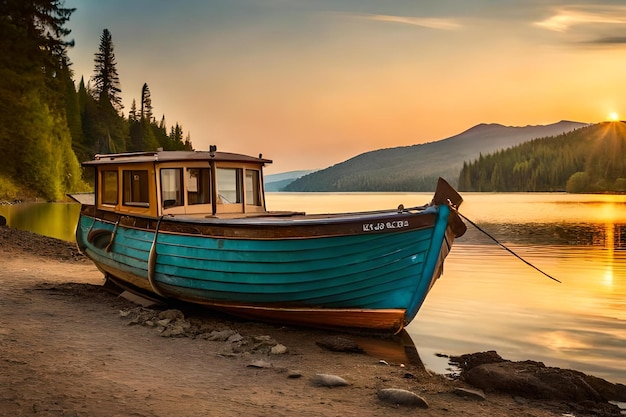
{"type": "Point", "coordinates": [610, 251]}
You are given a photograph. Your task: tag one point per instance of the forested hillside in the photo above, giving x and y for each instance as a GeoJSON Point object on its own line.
{"type": "Point", "coordinates": [47, 123]}
{"type": "Point", "coordinates": [417, 167]}
{"type": "Point", "coordinates": [590, 159]}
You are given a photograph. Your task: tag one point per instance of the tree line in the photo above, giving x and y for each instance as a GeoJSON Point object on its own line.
{"type": "Point", "coordinates": [47, 123]}
{"type": "Point", "coordinates": [587, 160]}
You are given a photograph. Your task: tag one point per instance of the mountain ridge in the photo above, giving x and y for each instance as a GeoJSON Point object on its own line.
{"type": "Point", "coordinates": [417, 167]}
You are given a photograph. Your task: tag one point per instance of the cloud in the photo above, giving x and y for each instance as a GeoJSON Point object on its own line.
{"type": "Point", "coordinates": [562, 20]}
{"type": "Point", "coordinates": [609, 40]}
{"type": "Point", "coordinates": [427, 22]}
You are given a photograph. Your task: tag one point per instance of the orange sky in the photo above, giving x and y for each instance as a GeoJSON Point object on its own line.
{"type": "Point", "coordinates": [311, 84]}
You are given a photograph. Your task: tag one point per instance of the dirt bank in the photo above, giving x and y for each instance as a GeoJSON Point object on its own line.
{"type": "Point", "coordinates": [68, 347]}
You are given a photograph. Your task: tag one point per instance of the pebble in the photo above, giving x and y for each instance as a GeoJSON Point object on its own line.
{"type": "Point", "coordinates": [260, 364]}
{"type": "Point", "coordinates": [327, 380]}
{"type": "Point", "coordinates": [473, 394]}
{"type": "Point", "coordinates": [294, 374]}
{"type": "Point", "coordinates": [401, 397]}
{"type": "Point", "coordinates": [234, 338]}
{"type": "Point", "coordinates": [279, 349]}
{"type": "Point", "coordinates": [172, 314]}
{"type": "Point", "coordinates": [221, 335]}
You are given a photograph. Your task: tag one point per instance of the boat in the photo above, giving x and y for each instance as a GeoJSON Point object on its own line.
{"type": "Point", "coordinates": [192, 226]}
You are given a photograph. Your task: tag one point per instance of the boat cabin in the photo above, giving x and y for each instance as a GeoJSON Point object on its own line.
{"type": "Point", "coordinates": [193, 183]}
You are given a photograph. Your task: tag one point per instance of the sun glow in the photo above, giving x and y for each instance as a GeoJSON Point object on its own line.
{"type": "Point", "coordinates": [613, 116]}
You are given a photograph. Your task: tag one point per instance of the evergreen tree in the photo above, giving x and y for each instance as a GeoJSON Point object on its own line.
{"type": "Point", "coordinates": [146, 103]}
{"type": "Point", "coordinates": [106, 80]}
{"type": "Point", "coordinates": [162, 124]}
{"type": "Point", "coordinates": [105, 130]}
{"type": "Point", "coordinates": [132, 114]}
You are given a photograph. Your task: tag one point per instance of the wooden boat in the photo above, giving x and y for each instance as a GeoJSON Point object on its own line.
{"type": "Point", "coordinates": [193, 226]}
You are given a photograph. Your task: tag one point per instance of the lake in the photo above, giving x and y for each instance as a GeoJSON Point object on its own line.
{"type": "Point", "coordinates": [487, 299]}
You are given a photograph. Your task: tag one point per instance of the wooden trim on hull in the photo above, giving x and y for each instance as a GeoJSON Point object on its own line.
{"type": "Point", "coordinates": [376, 321]}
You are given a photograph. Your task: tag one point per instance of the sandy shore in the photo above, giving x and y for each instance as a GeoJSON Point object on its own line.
{"type": "Point", "coordinates": [68, 347]}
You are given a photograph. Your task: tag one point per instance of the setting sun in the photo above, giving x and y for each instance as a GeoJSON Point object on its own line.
{"type": "Point", "coordinates": [613, 116]}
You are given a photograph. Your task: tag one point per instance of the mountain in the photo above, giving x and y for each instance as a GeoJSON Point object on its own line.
{"type": "Point", "coordinates": [587, 160]}
{"type": "Point", "coordinates": [417, 167]}
{"type": "Point", "coordinates": [276, 182]}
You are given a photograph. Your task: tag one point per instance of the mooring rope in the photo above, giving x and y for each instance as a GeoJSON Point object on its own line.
{"type": "Point", "coordinates": [506, 248]}
{"type": "Point", "coordinates": [152, 258]}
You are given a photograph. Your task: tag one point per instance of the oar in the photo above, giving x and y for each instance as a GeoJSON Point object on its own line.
{"type": "Point", "coordinates": [507, 249]}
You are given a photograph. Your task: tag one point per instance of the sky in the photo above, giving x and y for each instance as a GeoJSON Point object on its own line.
{"type": "Point", "coordinates": [312, 83]}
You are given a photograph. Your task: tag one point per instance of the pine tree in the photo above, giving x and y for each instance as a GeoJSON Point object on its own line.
{"type": "Point", "coordinates": [176, 134]}
{"type": "Point", "coordinates": [162, 124]}
{"type": "Point", "coordinates": [106, 80]}
{"type": "Point", "coordinates": [132, 114]}
{"type": "Point", "coordinates": [105, 129]}
{"type": "Point", "coordinates": [146, 103]}
{"type": "Point", "coordinates": [187, 146]}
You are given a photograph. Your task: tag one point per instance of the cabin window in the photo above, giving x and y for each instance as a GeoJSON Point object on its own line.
{"type": "Point", "coordinates": [198, 186]}
{"type": "Point", "coordinates": [229, 184]}
{"type": "Point", "coordinates": [109, 187]}
{"type": "Point", "coordinates": [136, 188]}
{"type": "Point", "coordinates": [252, 188]}
{"type": "Point", "coordinates": [171, 187]}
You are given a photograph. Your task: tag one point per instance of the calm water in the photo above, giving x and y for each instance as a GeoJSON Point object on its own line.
{"type": "Point", "coordinates": [487, 299]}
{"type": "Point", "coordinates": [51, 219]}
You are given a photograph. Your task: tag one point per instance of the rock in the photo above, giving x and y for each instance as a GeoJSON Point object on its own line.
{"type": "Point", "coordinates": [137, 315]}
{"type": "Point", "coordinates": [470, 393]}
{"type": "Point", "coordinates": [260, 364]}
{"type": "Point", "coordinates": [264, 339]}
{"type": "Point", "coordinates": [401, 397]}
{"type": "Point", "coordinates": [534, 380]}
{"type": "Point", "coordinates": [279, 349]}
{"type": "Point", "coordinates": [339, 344]}
{"type": "Point", "coordinates": [172, 314]}
{"type": "Point", "coordinates": [221, 335]}
{"type": "Point", "coordinates": [164, 322]}
{"type": "Point", "coordinates": [469, 361]}
{"type": "Point", "coordinates": [176, 328]}
{"type": "Point", "coordinates": [293, 374]}
{"type": "Point", "coordinates": [326, 380]}
{"type": "Point", "coordinates": [234, 338]}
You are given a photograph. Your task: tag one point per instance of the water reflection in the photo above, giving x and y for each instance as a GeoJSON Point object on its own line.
{"type": "Point", "coordinates": [397, 350]}
{"type": "Point", "coordinates": [56, 220]}
{"type": "Point", "coordinates": [608, 235]}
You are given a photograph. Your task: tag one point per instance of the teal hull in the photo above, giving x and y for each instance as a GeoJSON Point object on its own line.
{"type": "Point", "coordinates": [386, 270]}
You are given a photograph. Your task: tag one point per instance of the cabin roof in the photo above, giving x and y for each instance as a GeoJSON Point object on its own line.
{"type": "Point", "coordinates": [172, 156]}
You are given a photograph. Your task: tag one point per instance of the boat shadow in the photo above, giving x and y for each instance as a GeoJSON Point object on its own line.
{"type": "Point", "coordinates": [395, 350]}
